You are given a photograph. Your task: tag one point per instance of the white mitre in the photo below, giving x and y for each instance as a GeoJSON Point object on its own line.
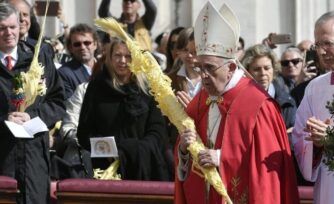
{"type": "Point", "coordinates": [217, 32]}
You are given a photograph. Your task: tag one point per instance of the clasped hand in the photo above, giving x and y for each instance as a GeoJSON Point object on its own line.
{"type": "Point", "coordinates": [317, 130]}
{"type": "Point", "coordinates": [18, 117]}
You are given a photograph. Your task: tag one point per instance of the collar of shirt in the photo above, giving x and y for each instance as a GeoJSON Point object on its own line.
{"type": "Point", "coordinates": [13, 54]}
{"type": "Point", "coordinates": [25, 37]}
{"type": "Point", "coordinates": [193, 88]}
{"type": "Point", "coordinates": [271, 90]}
{"type": "Point", "coordinates": [238, 74]}
{"type": "Point", "coordinates": [88, 69]}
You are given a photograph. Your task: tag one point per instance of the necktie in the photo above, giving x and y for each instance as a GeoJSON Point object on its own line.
{"type": "Point", "coordinates": [9, 62]}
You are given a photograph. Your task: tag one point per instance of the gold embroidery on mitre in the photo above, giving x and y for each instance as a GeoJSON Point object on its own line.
{"type": "Point", "coordinates": [205, 26]}
{"type": "Point", "coordinates": [212, 47]}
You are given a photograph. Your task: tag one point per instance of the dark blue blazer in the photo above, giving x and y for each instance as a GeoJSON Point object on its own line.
{"type": "Point", "coordinates": [73, 73]}
{"type": "Point", "coordinates": [45, 47]}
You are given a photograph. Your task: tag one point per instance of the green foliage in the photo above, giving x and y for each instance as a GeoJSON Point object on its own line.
{"type": "Point", "coordinates": [17, 82]}
{"type": "Point", "coordinates": [328, 141]}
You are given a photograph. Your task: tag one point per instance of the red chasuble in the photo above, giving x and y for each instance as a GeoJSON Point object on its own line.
{"type": "Point", "coordinates": [256, 165]}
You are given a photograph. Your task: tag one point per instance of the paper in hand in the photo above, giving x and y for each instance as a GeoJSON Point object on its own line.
{"type": "Point", "coordinates": [28, 129]}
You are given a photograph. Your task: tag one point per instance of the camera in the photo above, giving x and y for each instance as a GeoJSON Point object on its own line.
{"type": "Point", "coordinates": [281, 38]}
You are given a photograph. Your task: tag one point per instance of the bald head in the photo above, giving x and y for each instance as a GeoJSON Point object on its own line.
{"type": "Point", "coordinates": [324, 39]}
{"type": "Point", "coordinates": [304, 45]}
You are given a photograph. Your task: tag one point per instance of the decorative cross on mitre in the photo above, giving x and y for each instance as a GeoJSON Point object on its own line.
{"type": "Point", "coordinates": [217, 32]}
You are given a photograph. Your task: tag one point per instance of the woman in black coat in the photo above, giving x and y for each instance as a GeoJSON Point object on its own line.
{"type": "Point", "coordinates": [117, 104]}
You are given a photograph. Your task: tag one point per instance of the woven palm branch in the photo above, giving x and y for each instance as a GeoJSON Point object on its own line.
{"type": "Point", "coordinates": [109, 174]}
{"type": "Point", "coordinates": [31, 80]}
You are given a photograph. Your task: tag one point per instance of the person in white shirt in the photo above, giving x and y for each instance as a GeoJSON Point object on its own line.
{"type": "Point", "coordinates": [186, 81]}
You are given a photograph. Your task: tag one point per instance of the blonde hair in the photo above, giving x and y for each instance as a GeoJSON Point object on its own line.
{"type": "Point", "coordinates": [139, 79]}
{"type": "Point", "coordinates": [257, 51]}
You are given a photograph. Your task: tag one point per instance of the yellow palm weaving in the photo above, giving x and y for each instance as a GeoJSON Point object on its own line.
{"type": "Point", "coordinates": [31, 80]}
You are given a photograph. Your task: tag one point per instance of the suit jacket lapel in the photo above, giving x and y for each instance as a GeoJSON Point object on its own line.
{"type": "Point", "coordinates": [80, 72]}
{"type": "Point", "coordinates": [25, 55]}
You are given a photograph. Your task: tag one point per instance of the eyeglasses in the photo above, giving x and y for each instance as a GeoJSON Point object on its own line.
{"type": "Point", "coordinates": [78, 44]}
{"type": "Point", "coordinates": [208, 69]}
{"type": "Point", "coordinates": [286, 63]}
{"type": "Point", "coordinates": [124, 1]}
{"type": "Point", "coordinates": [324, 45]}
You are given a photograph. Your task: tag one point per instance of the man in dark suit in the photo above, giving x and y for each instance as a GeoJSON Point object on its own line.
{"type": "Point", "coordinates": [82, 45]}
{"type": "Point", "coordinates": [26, 160]}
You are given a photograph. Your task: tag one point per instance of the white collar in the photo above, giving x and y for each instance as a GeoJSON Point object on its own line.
{"type": "Point", "coordinates": [182, 71]}
{"type": "Point", "coordinates": [237, 75]}
{"type": "Point", "coordinates": [13, 54]}
{"type": "Point", "coordinates": [271, 90]}
{"type": "Point", "coordinates": [88, 69]}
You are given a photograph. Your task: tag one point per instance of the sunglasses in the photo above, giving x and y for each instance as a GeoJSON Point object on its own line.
{"type": "Point", "coordinates": [78, 44]}
{"type": "Point", "coordinates": [286, 63]}
{"type": "Point", "coordinates": [129, 0]}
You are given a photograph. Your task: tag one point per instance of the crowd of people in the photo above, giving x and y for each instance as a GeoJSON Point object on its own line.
{"type": "Point", "coordinates": [261, 117]}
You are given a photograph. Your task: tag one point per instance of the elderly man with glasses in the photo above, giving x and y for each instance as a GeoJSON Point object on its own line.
{"type": "Point", "coordinates": [138, 27]}
{"type": "Point", "coordinates": [237, 121]}
{"type": "Point", "coordinates": [313, 118]}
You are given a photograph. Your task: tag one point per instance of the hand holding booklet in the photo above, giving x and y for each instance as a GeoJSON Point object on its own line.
{"type": "Point", "coordinates": [28, 129]}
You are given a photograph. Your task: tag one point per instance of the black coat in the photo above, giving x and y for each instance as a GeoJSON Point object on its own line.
{"type": "Point", "coordinates": [136, 122]}
{"type": "Point", "coordinates": [27, 160]}
{"type": "Point", "coordinates": [298, 92]}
